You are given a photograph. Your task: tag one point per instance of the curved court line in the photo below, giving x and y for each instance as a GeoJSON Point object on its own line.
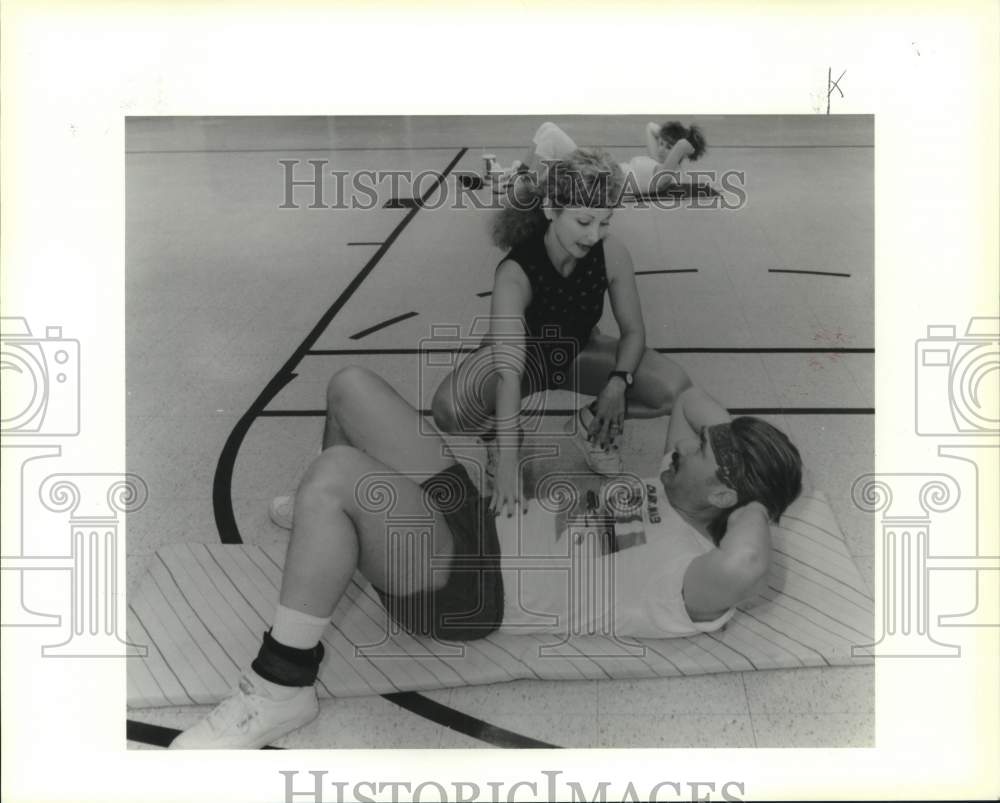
{"type": "Point", "coordinates": [161, 736]}
{"type": "Point", "coordinates": [463, 723]}
{"type": "Point", "coordinates": [222, 501]}
{"type": "Point", "coordinates": [228, 530]}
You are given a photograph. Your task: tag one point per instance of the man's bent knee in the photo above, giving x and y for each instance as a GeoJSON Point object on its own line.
{"type": "Point", "coordinates": [332, 478]}
{"type": "Point", "coordinates": [347, 380]}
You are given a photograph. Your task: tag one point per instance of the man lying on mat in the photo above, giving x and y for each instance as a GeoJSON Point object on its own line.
{"type": "Point", "coordinates": [677, 553]}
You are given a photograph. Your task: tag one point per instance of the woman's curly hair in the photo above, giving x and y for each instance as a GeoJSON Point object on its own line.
{"type": "Point", "coordinates": [674, 131]}
{"type": "Point", "coordinates": [586, 178]}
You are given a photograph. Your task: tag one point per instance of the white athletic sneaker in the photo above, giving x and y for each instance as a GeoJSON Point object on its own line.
{"type": "Point", "coordinates": [601, 461]}
{"type": "Point", "coordinates": [250, 719]}
{"type": "Point", "coordinates": [282, 511]}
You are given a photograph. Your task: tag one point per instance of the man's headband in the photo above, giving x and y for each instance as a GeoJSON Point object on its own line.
{"type": "Point", "coordinates": [728, 457]}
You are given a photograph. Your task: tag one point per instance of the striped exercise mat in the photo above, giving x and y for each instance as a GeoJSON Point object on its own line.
{"type": "Point", "coordinates": [201, 610]}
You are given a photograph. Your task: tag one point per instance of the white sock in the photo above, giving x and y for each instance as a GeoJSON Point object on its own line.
{"type": "Point", "coordinates": [296, 629]}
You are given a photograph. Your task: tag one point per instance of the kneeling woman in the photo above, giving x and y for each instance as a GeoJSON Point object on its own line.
{"type": "Point", "coordinates": [703, 550]}
{"type": "Point", "coordinates": [548, 296]}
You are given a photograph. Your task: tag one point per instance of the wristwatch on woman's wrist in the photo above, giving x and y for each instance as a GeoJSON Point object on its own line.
{"type": "Point", "coordinates": [625, 376]}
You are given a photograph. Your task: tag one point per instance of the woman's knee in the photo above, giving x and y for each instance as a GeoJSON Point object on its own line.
{"type": "Point", "coordinates": [443, 407]}
{"type": "Point", "coordinates": [669, 381]}
{"type": "Point", "coordinates": [462, 402]}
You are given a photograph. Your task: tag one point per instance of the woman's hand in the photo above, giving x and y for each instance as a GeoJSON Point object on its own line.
{"type": "Point", "coordinates": [609, 414]}
{"type": "Point", "coordinates": [507, 491]}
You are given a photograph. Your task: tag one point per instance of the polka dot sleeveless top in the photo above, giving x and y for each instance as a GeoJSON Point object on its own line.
{"type": "Point", "coordinates": [566, 307]}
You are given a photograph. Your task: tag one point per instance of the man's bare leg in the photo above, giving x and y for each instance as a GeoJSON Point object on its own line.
{"type": "Point", "coordinates": [340, 527]}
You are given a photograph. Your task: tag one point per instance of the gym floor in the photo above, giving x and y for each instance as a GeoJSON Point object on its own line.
{"type": "Point", "coordinates": [768, 306]}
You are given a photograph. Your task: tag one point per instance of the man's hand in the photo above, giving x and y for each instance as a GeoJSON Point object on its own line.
{"type": "Point", "coordinates": [752, 514]}
{"type": "Point", "coordinates": [734, 572]}
{"type": "Point", "coordinates": [609, 414]}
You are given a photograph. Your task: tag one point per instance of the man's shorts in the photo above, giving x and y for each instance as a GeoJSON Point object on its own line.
{"type": "Point", "coordinates": [470, 604]}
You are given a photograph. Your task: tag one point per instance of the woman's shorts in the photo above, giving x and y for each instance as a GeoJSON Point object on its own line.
{"type": "Point", "coordinates": [470, 604]}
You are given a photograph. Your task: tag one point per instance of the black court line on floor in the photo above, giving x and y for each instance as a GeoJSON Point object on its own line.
{"type": "Point", "coordinates": [659, 350]}
{"type": "Point", "coordinates": [463, 723]}
{"type": "Point", "coordinates": [809, 272]}
{"type": "Point", "coordinates": [487, 293]}
{"type": "Point", "coordinates": [438, 713]}
{"type": "Point", "coordinates": [225, 517]}
{"type": "Point", "coordinates": [156, 735]}
{"type": "Point", "coordinates": [404, 203]}
{"type": "Point", "coordinates": [378, 243]}
{"type": "Point", "coordinates": [222, 502]}
{"type": "Point", "coordinates": [676, 201]}
{"type": "Point", "coordinates": [293, 149]}
{"type": "Point", "coordinates": [365, 332]}
{"type": "Point", "coordinates": [556, 412]}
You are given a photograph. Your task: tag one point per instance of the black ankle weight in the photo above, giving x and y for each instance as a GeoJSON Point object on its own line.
{"type": "Point", "coordinates": [287, 666]}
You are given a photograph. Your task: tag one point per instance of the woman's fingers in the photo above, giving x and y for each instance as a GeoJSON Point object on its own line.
{"type": "Point", "coordinates": [505, 501]}
{"type": "Point", "coordinates": [594, 427]}
{"type": "Point", "coordinates": [605, 437]}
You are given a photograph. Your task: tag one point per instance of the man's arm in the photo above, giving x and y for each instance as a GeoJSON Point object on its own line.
{"type": "Point", "coordinates": [680, 151]}
{"type": "Point", "coordinates": [733, 573]}
{"type": "Point", "coordinates": [654, 145]}
{"type": "Point", "coordinates": [625, 305]}
{"type": "Point", "coordinates": [692, 410]}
